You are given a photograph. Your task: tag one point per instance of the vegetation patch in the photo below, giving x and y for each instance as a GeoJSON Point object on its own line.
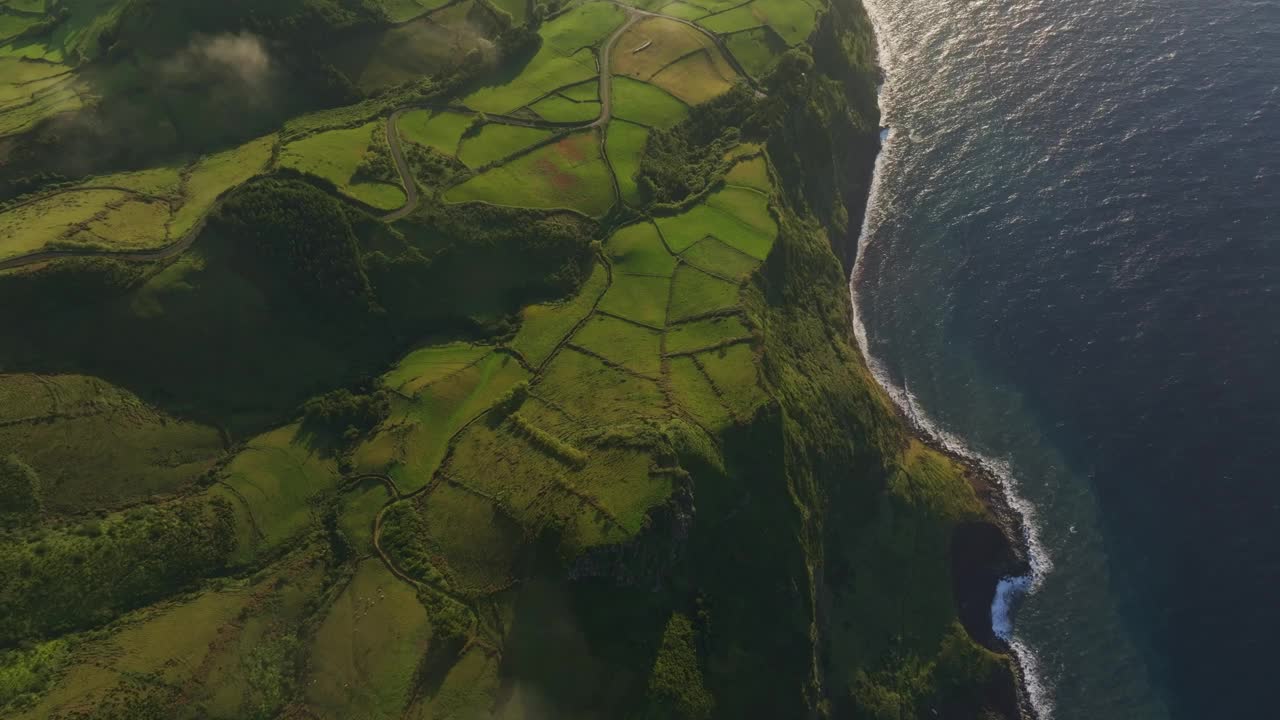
{"type": "Point", "coordinates": [431, 364]}
{"type": "Point", "coordinates": [544, 327]}
{"type": "Point", "coordinates": [736, 216]}
{"type": "Point", "coordinates": [496, 141]}
{"type": "Point", "coordinates": [696, 395]}
{"type": "Point", "coordinates": [696, 293]}
{"type": "Point", "coordinates": [645, 104]}
{"type": "Point", "coordinates": [757, 50]}
{"type": "Point", "coordinates": [476, 543]}
{"type": "Point", "coordinates": [627, 344]}
{"type": "Point", "coordinates": [559, 109]}
{"type": "Point", "coordinates": [713, 256]}
{"type": "Point", "coordinates": [360, 506]}
{"type": "Point", "coordinates": [638, 250]}
{"type": "Point", "coordinates": [567, 174]}
{"type": "Point", "coordinates": [624, 144]}
{"type": "Point", "coordinates": [654, 43]}
{"type": "Point", "coordinates": [732, 370]}
{"type": "Point", "coordinates": [94, 445]}
{"type": "Point", "coordinates": [278, 476]}
{"type": "Point", "coordinates": [701, 334]}
{"type": "Point", "coordinates": [437, 129]}
{"type": "Point", "coordinates": [750, 173]}
{"type": "Point", "coordinates": [793, 21]}
{"type": "Point", "coordinates": [563, 59]}
{"type": "Point", "coordinates": [593, 392]}
{"type": "Point", "coordinates": [420, 427]}
{"type": "Point", "coordinates": [639, 298]}
{"type": "Point", "coordinates": [697, 78]}
{"type": "Point", "coordinates": [585, 92]}
{"type": "Point", "coordinates": [339, 156]}
{"type": "Point", "coordinates": [366, 653]}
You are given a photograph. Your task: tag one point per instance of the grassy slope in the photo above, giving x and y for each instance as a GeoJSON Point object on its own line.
{"type": "Point", "coordinates": [713, 486]}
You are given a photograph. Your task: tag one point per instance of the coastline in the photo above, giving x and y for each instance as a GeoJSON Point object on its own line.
{"type": "Point", "coordinates": [992, 573]}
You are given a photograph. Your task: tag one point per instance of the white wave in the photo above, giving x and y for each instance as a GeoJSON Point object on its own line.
{"type": "Point", "coordinates": [1010, 589]}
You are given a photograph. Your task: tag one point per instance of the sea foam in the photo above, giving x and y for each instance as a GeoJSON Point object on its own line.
{"type": "Point", "coordinates": [1009, 590]}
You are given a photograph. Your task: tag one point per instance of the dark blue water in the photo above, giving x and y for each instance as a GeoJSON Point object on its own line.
{"type": "Point", "coordinates": [1072, 264]}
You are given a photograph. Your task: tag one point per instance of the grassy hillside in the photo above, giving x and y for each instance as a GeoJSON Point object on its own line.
{"type": "Point", "coordinates": [505, 392]}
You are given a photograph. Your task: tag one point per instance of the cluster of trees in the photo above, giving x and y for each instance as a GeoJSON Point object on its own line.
{"type": "Point", "coordinates": [345, 412]}
{"type": "Point", "coordinates": [20, 491]}
{"type": "Point", "coordinates": [69, 580]}
{"type": "Point", "coordinates": [295, 229]}
{"type": "Point", "coordinates": [684, 160]}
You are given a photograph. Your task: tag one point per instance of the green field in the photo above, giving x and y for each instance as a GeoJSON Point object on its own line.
{"type": "Point", "coordinates": [568, 173]}
{"type": "Point", "coordinates": [624, 144]}
{"type": "Point", "coordinates": [360, 507]}
{"type": "Point", "coordinates": [793, 21]}
{"type": "Point", "coordinates": [495, 142]}
{"type": "Point", "coordinates": [276, 476]}
{"type": "Point", "coordinates": [697, 78]}
{"type": "Point", "coordinates": [95, 445]}
{"type": "Point", "coordinates": [411, 444]}
{"type": "Point", "coordinates": [544, 327]}
{"type": "Point", "coordinates": [736, 216]}
{"type": "Point", "coordinates": [560, 109]}
{"type": "Point", "coordinates": [438, 129]}
{"type": "Point", "coordinates": [756, 50]}
{"type": "Point", "coordinates": [365, 654]}
{"type": "Point", "coordinates": [336, 155]}
{"type": "Point", "coordinates": [750, 173]}
{"type": "Point", "coordinates": [645, 104]}
{"type": "Point", "coordinates": [627, 344]}
{"type": "Point", "coordinates": [696, 394]}
{"type": "Point", "coordinates": [638, 298]}
{"type": "Point", "coordinates": [702, 334]}
{"type": "Point", "coordinates": [638, 250]}
{"type": "Point", "coordinates": [714, 256]}
{"type": "Point", "coordinates": [695, 293]}
{"type": "Point", "coordinates": [564, 59]}
{"type": "Point", "coordinates": [732, 371]}
{"type": "Point", "coordinates": [583, 92]}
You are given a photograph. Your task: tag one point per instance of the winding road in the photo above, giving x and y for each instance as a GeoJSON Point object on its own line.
{"type": "Point", "coordinates": [408, 184]}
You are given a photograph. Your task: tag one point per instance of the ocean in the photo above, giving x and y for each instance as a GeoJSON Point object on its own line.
{"type": "Point", "coordinates": [1070, 269]}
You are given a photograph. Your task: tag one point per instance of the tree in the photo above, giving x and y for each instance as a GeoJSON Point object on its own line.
{"type": "Point", "coordinates": [20, 492]}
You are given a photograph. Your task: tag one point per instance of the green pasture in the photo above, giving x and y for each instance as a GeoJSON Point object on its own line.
{"type": "Point", "coordinates": [683, 10]}
{"type": "Point", "coordinates": [568, 173]}
{"type": "Point", "coordinates": [732, 370]}
{"type": "Point", "coordinates": [739, 217]}
{"type": "Point", "coordinates": [467, 691]}
{"type": "Point", "coordinates": [496, 141]}
{"type": "Point", "coordinates": [518, 9]}
{"type": "Point", "coordinates": [638, 298]}
{"type": "Point", "coordinates": [755, 49]}
{"type": "Point", "coordinates": [750, 173]}
{"type": "Point", "coordinates": [564, 59]}
{"type": "Point", "coordinates": [416, 436]}
{"type": "Point", "coordinates": [695, 293]}
{"type": "Point", "coordinates": [594, 393]}
{"type": "Point", "coordinates": [697, 78]}
{"type": "Point", "coordinates": [335, 155]}
{"type": "Point", "coordinates": [701, 334]}
{"type": "Point", "coordinates": [695, 393]}
{"type": "Point", "coordinates": [32, 91]}
{"type": "Point", "coordinates": [713, 256]}
{"type": "Point", "coordinates": [360, 506]}
{"type": "Point", "coordinates": [653, 43]}
{"type": "Point", "coordinates": [277, 475]}
{"type": "Point", "coordinates": [211, 176]}
{"type": "Point", "coordinates": [627, 344]}
{"type": "Point", "coordinates": [38, 224]}
{"type": "Point", "coordinates": [793, 21]}
{"type": "Point", "coordinates": [638, 250]}
{"type": "Point", "coordinates": [624, 143]}
{"type": "Point", "coordinates": [365, 656]}
{"type": "Point", "coordinates": [95, 445]}
{"type": "Point", "coordinates": [645, 104]}
{"type": "Point", "coordinates": [438, 129]}
{"type": "Point", "coordinates": [430, 364]}
{"type": "Point", "coordinates": [477, 544]}
{"type": "Point", "coordinates": [559, 109]}
{"type": "Point", "coordinates": [544, 327]}
{"type": "Point", "coordinates": [588, 91]}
